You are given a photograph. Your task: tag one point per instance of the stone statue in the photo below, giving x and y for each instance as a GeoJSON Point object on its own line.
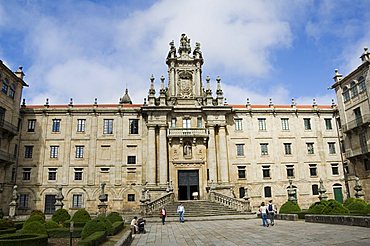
{"type": "Point", "coordinates": [59, 199]}
{"type": "Point", "coordinates": [172, 52]}
{"type": "Point", "coordinates": [184, 44]}
{"type": "Point", "coordinates": [358, 188]}
{"type": "Point", "coordinates": [322, 191]}
{"type": "Point", "coordinates": [15, 194]}
{"type": "Point", "coordinates": [147, 196]}
{"type": "Point", "coordinates": [197, 53]}
{"type": "Point", "coordinates": [187, 150]}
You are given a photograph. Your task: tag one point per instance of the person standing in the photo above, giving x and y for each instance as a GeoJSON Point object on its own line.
{"type": "Point", "coordinates": [271, 212]}
{"type": "Point", "coordinates": [263, 212]}
{"type": "Point", "coordinates": [181, 212]}
{"type": "Point", "coordinates": [163, 214]}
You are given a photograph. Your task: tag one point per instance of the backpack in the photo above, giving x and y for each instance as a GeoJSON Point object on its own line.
{"type": "Point", "coordinates": [270, 208]}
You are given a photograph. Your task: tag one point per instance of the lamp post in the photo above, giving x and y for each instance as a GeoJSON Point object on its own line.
{"type": "Point", "coordinates": [71, 228]}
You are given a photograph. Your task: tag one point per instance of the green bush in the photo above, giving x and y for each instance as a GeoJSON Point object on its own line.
{"type": "Point", "coordinates": [33, 218]}
{"type": "Point", "coordinates": [349, 201]}
{"type": "Point", "coordinates": [28, 239]}
{"type": "Point", "coordinates": [64, 232]}
{"type": "Point", "coordinates": [34, 227]}
{"type": "Point", "coordinates": [118, 226]}
{"type": "Point", "coordinates": [19, 225]}
{"type": "Point", "coordinates": [108, 224]}
{"type": "Point", "coordinates": [91, 227]}
{"type": "Point", "coordinates": [328, 207]}
{"type": "Point", "coordinates": [60, 216]}
{"type": "Point", "coordinates": [290, 207]}
{"type": "Point", "coordinates": [95, 239]}
{"type": "Point", "coordinates": [37, 212]}
{"type": "Point", "coordinates": [81, 215]}
{"type": "Point", "coordinates": [50, 224]}
{"type": "Point", "coordinates": [317, 207]}
{"type": "Point", "coordinates": [356, 206]}
{"type": "Point", "coordinates": [114, 217]}
{"type": "Point", "coordinates": [6, 223]}
{"type": "Point", "coordinates": [67, 224]}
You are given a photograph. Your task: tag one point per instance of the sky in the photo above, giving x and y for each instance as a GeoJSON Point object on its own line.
{"type": "Point", "coordinates": [261, 49]}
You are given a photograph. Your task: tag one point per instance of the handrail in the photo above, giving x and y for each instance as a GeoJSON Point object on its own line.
{"type": "Point", "coordinates": [231, 202]}
{"type": "Point", "coordinates": [149, 207]}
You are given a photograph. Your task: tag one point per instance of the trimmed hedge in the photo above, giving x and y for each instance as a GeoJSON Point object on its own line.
{"type": "Point", "coordinates": [64, 232]}
{"type": "Point", "coordinates": [328, 207]}
{"type": "Point", "coordinates": [60, 216]}
{"type": "Point", "coordinates": [81, 215]}
{"type": "Point", "coordinates": [108, 224]}
{"type": "Point", "coordinates": [356, 206]}
{"type": "Point", "coordinates": [51, 224]}
{"type": "Point", "coordinates": [34, 227]}
{"type": "Point", "coordinates": [67, 224]}
{"type": "Point", "coordinates": [37, 212]}
{"type": "Point", "coordinates": [7, 231]}
{"type": "Point", "coordinates": [28, 239]}
{"type": "Point", "coordinates": [114, 217]}
{"type": "Point", "coordinates": [19, 225]}
{"type": "Point", "coordinates": [34, 218]}
{"type": "Point", "coordinates": [91, 227]}
{"type": "Point", "coordinates": [6, 223]}
{"type": "Point", "coordinates": [95, 239]}
{"type": "Point", "coordinates": [117, 227]}
{"type": "Point", "coordinates": [290, 207]}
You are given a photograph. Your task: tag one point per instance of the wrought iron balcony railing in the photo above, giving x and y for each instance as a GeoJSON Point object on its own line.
{"type": "Point", "coordinates": [187, 132]}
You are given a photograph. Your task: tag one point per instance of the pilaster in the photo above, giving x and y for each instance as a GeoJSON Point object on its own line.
{"type": "Point", "coordinates": [163, 178]}
{"type": "Point", "coordinates": [151, 169]}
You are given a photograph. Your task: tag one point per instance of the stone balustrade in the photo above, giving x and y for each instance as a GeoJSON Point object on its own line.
{"type": "Point", "coordinates": [149, 207]}
{"type": "Point", "coordinates": [187, 132]}
{"type": "Point", "coordinates": [231, 202]}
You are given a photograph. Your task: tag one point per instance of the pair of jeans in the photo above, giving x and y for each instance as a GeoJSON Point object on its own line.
{"type": "Point", "coordinates": [182, 219]}
{"type": "Point", "coordinates": [271, 217]}
{"type": "Point", "coordinates": [163, 219]}
{"type": "Point", "coordinates": [264, 220]}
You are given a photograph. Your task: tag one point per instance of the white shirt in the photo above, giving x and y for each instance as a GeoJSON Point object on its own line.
{"type": "Point", "coordinates": [263, 209]}
{"type": "Point", "coordinates": [133, 222]}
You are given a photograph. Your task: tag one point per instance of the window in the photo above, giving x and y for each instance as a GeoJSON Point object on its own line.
{"type": "Point", "coordinates": [186, 123]}
{"type": "Point", "coordinates": [354, 90]}
{"type": "Point", "coordinates": [11, 93]}
{"type": "Point", "coordinates": [358, 116]}
{"type": "Point", "coordinates": [307, 123]}
{"type": "Point", "coordinates": [241, 192]}
{"type": "Point", "coordinates": [31, 125]}
{"type": "Point", "coordinates": [81, 124]}
{"type": "Point", "coordinates": [52, 174]}
{"type": "Point", "coordinates": [134, 126]}
{"type": "Point", "coordinates": [79, 151]}
{"type": "Point", "coordinates": [290, 171]}
{"type": "Point", "coordinates": [264, 149]}
{"type": "Point", "coordinates": [241, 172]}
{"type": "Point", "coordinates": [108, 126]}
{"type": "Point", "coordinates": [13, 175]}
{"type": "Point", "coordinates": [310, 149]}
{"type": "Point", "coordinates": [328, 124]}
{"type": "Point", "coordinates": [334, 169]}
{"type": "Point", "coordinates": [28, 150]}
{"type": "Point", "coordinates": [315, 189]}
{"type": "Point", "coordinates": [23, 201]}
{"type": "Point", "coordinates": [285, 124]}
{"type": "Point", "coordinates": [313, 170]}
{"type": "Point", "coordinates": [238, 124]}
{"type": "Point", "coordinates": [54, 151]}
{"type": "Point", "coordinates": [266, 171]}
{"type": "Point", "coordinates": [173, 123]}
{"type": "Point", "coordinates": [26, 174]}
{"type": "Point", "coordinates": [345, 94]}
{"type": "Point", "coordinates": [288, 148]}
{"type": "Point", "coordinates": [262, 124]}
{"type": "Point", "coordinates": [240, 150]}
{"type": "Point", "coordinates": [267, 191]}
{"type": "Point", "coordinates": [56, 125]}
{"type": "Point", "coordinates": [331, 148]}
{"type": "Point", "coordinates": [104, 169]}
{"type": "Point", "coordinates": [77, 201]}
{"type": "Point", "coordinates": [78, 173]}
{"type": "Point", "coordinates": [361, 84]}
{"type": "Point", "coordinates": [367, 164]}
{"type": "Point", "coordinates": [131, 197]}
{"type": "Point", "coordinates": [4, 88]}
{"type": "Point", "coordinates": [199, 122]}
{"type": "Point", "coordinates": [131, 159]}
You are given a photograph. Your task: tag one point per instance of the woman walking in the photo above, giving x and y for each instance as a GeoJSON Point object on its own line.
{"type": "Point", "coordinates": [263, 211]}
{"type": "Point", "coordinates": [163, 214]}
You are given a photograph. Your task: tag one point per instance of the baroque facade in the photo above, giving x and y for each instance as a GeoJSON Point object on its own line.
{"type": "Point", "coordinates": [183, 137]}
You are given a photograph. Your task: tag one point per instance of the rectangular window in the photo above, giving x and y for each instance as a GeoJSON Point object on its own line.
{"type": "Point", "coordinates": [28, 151]}
{"type": "Point", "coordinates": [173, 123]}
{"type": "Point", "coordinates": [264, 149]}
{"type": "Point", "coordinates": [11, 93]}
{"type": "Point", "coordinates": [240, 150]}
{"type": "Point", "coordinates": [56, 125]}
{"type": "Point", "coordinates": [52, 174]}
{"type": "Point", "coordinates": [131, 197]}
{"type": "Point", "coordinates": [23, 201]}
{"type": "Point", "coordinates": [131, 159]}
{"type": "Point", "coordinates": [79, 151]}
{"type": "Point", "coordinates": [285, 124]}
{"type": "Point", "coordinates": [307, 123]}
{"type": "Point", "coordinates": [310, 149]}
{"type": "Point", "coordinates": [134, 126]}
{"type": "Point", "coordinates": [315, 189]}
{"type": "Point", "coordinates": [361, 86]}
{"type": "Point", "coordinates": [328, 124]}
{"type": "Point", "coordinates": [266, 171]}
{"type": "Point", "coordinates": [346, 96]}
{"type": "Point", "coordinates": [13, 175]}
{"type": "Point", "coordinates": [54, 151]}
{"type": "Point", "coordinates": [354, 91]}
{"type": "Point", "coordinates": [31, 125]}
{"type": "Point", "coordinates": [331, 148]}
{"type": "Point", "coordinates": [334, 169]}
{"type": "Point", "coordinates": [288, 148]}
{"type": "Point", "coordinates": [358, 116]}
{"type": "Point", "coordinates": [26, 174]}
{"type": "Point", "coordinates": [81, 124]}
{"type": "Point", "coordinates": [4, 88]}
{"type": "Point", "coordinates": [267, 191]}
{"type": "Point", "coordinates": [313, 170]}
{"type": "Point", "coordinates": [78, 173]}
{"type": "Point", "coordinates": [290, 171]}
{"type": "Point", "coordinates": [77, 201]}
{"type": "Point", "coordinates": [199, 122]}
{"type": "Point", "coordinates": [186, 123]}
{"type": "Point", "coordinates": [241, 172]}
{"type": "Point", "coordinates": [108, 126]}
{"type": "Point", "coordinates": [262, 124]}
{"type": "Point", "coordinates": [238, 124]}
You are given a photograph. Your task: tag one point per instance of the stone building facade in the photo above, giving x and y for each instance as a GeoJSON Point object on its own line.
{"type": "Point", "coordinates": [354, 111]}
{"type": "Point", "coordinates": [183, 137]}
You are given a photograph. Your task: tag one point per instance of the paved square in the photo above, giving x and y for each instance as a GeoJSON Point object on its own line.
{"type": "Point", "coordinates": [250, 232]}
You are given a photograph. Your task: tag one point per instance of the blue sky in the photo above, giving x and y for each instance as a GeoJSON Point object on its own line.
{"type": "Point", "coordinates": [260, 49]}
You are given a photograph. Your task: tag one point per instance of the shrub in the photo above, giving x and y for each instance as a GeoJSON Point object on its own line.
{"type": "Point", "coordinates": [33, 218]}
{"type": "Point", "coordinates": [60, 216]}
{"type": "Point", "coordinates": [117, 227]}
{"type": "Point", "coordinates": [356, 206]}
{"type": "Point", "coordinates": [23, 240]}
{"type": "Point", "coordinates": [290, 207]}
{"type": "Point", "coordinates": [91, 227]}
{"type": "Point", "coordinates": [6, 223]}
{"type": "Point", "coordinates": [64, 232]}
{"type": "Point", "coordinates": [67, 224]}
{"type": "Point", "coordinates": [108, 224]}
{"type": "Point", "coordinates": [97, 238]}
{"type": "Point", "coordinates": [114, 217]}
{"type": "Point", "coordinates": [50, 224]}
{"type": "Point", "coordinates": [349, 201]}
{"type": "Point", "coordinates": [317, 207]}
{"type": "Point", "coordinates": [81, 215]}
{"type": "Point", "coordinates": [327, 207]}
{"type": "Point", "coordinates": [37, 212]}
{"type": "Point", "coordinates": [34, 227]}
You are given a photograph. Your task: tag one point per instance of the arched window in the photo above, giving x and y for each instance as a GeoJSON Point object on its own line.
{"type": "Point", "coordinates": [267, 191]}
{"type": "Point", "coordinates": [354, 90]}
{"type": "Point", "coordinates": [361, 84]}
{"type": "Point", "coordinates": [346, 96]}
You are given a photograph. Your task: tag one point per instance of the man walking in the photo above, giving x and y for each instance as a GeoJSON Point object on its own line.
{"type": "Point", "coordinates": [163, 214]}
{"type": "Point", "coordinates": [181, 212]}
{"type": "Point", "coordinates": [271, 212]}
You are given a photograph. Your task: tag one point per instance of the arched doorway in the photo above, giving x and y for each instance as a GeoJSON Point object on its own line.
{"type": "Point", "coordinates": [338, 193]}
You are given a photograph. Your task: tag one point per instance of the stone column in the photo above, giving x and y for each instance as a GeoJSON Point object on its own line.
{"type": "Point", "coordinates": [163, 174]}
{"type": "Point", "coordinates": [150, 169]}
{"type": "Point", "coordinates": [211, 159]}
{"type": "Point", "coordinates": [224, 169]}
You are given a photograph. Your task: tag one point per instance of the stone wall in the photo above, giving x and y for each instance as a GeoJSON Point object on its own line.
{"type": "Point", "coordinates": [339, 219]}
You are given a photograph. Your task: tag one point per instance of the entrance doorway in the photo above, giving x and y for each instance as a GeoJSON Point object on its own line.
{"type": "Point", "coordinates": [338, 195]}
{"type": "Point", "coordinates": [188, 183]}
{"type": "Point", "coordinates": [49, 204]}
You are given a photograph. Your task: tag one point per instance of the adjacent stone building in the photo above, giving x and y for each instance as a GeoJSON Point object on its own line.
{"type": "Point", "coordinates": [183, 137]}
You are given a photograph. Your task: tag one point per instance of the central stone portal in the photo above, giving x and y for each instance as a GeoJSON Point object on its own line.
{"type": "Point", "coordinates": [188, 183]}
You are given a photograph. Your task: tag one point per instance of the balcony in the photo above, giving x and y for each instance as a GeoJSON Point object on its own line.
{"type": "Point", "coordinates": [350, 153]}
{"type": "Point", "coordinates": [187, 132]}
{"type": "Point", "coordinates": [9, 127]}
{"type": "Point", "coordinates": [360, 121]}
{"type": "Point", "coordinates": [5, 157]}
